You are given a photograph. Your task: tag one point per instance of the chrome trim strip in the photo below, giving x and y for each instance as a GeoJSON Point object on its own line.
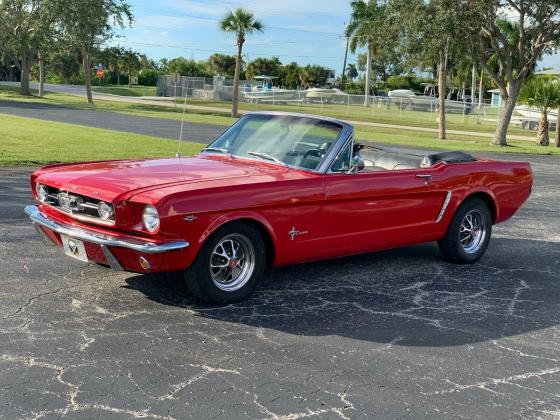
{"type": "Point", "coordinates": [135, 244]}
{"type": "Point", "coordinates": [111, 260]}
{"type": "Point", "coordinates": [444, 207]}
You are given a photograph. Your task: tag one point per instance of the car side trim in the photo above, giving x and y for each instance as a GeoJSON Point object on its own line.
{"type": "Point", "coordinates": [444, 206]}
{"type": "Point", "coordinates": [135, 244]}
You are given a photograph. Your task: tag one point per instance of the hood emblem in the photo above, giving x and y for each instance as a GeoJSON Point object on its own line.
{"type": "Point", "coordinates": [293, 233]}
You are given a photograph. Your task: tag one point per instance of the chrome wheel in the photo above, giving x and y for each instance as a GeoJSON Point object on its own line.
{"type": "Point", "coordinates": [472, 231]}
{"type": "Point", "coordinates": [232, 262]}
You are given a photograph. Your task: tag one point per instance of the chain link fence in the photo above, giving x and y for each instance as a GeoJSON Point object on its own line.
{"type": "Point", "coordinates": [405, 109]}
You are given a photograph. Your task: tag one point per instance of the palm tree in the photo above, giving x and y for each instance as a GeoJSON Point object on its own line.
{"type": "Point", "coordinates": [241, 22]}
{"type": "Point", "coordinates": [362, 32]}
{"type": "Point", "coordinates": [352, 71]}
{"type": "Point", "coordinates": [542, 94]}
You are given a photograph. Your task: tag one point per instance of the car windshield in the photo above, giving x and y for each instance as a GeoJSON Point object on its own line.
{"type": "Point", "coordinates": [301, 142]}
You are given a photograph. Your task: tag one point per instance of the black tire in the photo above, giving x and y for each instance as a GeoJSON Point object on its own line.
{"type": "Point", "coordinates": [208, 284]}
{"type": "Point", "coordinates": [455, 244]}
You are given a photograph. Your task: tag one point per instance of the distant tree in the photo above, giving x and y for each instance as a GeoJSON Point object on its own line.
{"type": "Point", "coordinates": [313, 74]}
{"type": "Point", "coordinates": [26, 26]}
{"type": "Point", "coordinates": [433, 32]}
{"type": "Point", "coordinates": [542, 94]}
{"type": "Point", "coordinates": [88, 23]}
{"type": "Point", "coordinates": [351, 71]}
{"type": "Point", "coordinates": [363, 31]}
{"type": "Point", "coordinates": [222, 64]}
{"type": "Point", "coordinates": [65, 63]}
{"type": "Point", "coordinates": [514, 34]}
{"type": "Point", "coordinates": [264, 66]}
{"type": "Point", "coordinates": [289, 75]}
{"type": "Point", "coordinates": [187, 67]}
{"type": "Point", "coordinates": [131, 63]}
{"type": "Point", "coordinates": [241, 22]}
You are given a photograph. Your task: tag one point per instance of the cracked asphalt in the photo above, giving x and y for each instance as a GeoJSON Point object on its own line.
{"type": "Point", "coordinates": [393, 334]}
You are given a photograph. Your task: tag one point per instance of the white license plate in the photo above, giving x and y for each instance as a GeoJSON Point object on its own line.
{"type": "Point", "coordinates": [74, 248]}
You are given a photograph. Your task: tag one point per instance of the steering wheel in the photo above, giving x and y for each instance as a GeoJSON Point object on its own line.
{"type": "Point", "coordinates": [314, 152]}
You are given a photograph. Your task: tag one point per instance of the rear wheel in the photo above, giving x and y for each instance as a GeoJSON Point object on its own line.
{"type": "Point", "coordinates": [469, 232]}
{"type": "Point", "coordinates": [228, 266]}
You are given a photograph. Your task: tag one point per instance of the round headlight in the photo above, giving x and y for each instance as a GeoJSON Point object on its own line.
{"type": "Point", "coordinates": [150, 218]}
{"type": "Point", "coordinates": [42, 193]}
{"type": "Point", "coordinates": [105, 210]}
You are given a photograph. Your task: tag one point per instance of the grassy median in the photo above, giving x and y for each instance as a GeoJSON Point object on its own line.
{"type": "Point", "coordinates": [27, 141]}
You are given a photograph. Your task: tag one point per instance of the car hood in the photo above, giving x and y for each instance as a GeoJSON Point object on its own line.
{"type": "Point", "coordinates": [110, 180]}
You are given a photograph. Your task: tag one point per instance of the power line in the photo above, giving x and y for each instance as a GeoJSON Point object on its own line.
{"type": "Point", "coordinates": [181, 47]}
{"type": "Point", "coordinates": [281, 28]}
{"type": "Point", "coordinates": [184, 31]}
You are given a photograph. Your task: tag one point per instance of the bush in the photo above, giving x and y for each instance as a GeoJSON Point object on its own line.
{"type": "Point", "coordinates": [148, 77]}
{"type": "Point", "coordinates": [400, 82]}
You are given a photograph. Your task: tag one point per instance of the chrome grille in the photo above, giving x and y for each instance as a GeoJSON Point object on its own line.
{"type": "Point", "coordinates": [75, 204]}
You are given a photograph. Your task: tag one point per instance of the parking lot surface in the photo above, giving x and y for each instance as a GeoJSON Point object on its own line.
{"type": "Point", "coordinates": [398, 333]}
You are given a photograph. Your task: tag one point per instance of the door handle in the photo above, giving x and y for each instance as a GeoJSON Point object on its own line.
{"type": "Point", "coordinates": [427, 177]}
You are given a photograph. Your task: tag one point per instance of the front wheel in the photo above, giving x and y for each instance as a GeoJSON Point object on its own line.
{"type": "Point", "coordinates": [468, 234]}
{"type": "Point", "coordinates": [228, 266]}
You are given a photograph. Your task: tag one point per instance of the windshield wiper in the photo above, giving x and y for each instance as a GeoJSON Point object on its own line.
{"type": "Point", "coordinates": [266, 156]}
{"type": "Point", "coordinates": [217, 149]}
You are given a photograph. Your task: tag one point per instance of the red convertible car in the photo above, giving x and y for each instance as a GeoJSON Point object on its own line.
{"type": "Point", "coordinates": [273, 189]}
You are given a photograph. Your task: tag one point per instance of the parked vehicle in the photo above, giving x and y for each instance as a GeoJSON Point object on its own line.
{"type": "Point", "coordinates": [274, 189]}
{"type": "Point", "coordinates": [326, 96]}
{"type": "Point", "coordinates": [267, 93]}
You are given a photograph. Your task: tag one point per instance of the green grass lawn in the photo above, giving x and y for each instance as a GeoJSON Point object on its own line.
{"type": "Point", "coordinates": [127, 91]}
{"type": "Point", "coordinates": [26, 141]}
{"type": "Point", "coordinates": [477, 122]}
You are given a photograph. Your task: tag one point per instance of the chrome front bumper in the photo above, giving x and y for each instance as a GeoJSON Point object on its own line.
{"type": "Point", "coordinates": [104, 240]}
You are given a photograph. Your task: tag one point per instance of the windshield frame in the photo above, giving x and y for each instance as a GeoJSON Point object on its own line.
{"type": "Point", "coordinates": [346, 132]}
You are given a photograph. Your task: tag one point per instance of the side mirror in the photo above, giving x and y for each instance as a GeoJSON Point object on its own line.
{"type": "Point", "coordinates": [358, 165]}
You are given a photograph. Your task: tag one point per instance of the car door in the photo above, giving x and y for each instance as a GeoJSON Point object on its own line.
{"type": "Point", "coordinates": [369, 210]}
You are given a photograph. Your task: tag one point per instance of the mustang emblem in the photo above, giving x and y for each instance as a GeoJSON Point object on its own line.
{"type": "Point", "coordinates": [293, 233]}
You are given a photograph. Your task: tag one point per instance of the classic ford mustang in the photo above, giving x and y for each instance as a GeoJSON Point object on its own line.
{"type": "Point", "coordinates": [273, 189]}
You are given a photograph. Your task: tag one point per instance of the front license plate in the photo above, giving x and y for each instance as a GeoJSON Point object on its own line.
{"type": "Point", "coordinates": [74, 248]}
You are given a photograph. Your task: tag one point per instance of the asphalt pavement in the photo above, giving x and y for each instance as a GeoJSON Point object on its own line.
{"type": "Point", "coordinates": [393, 334]}
{"type": "Point", "coordinates": [159, 127]}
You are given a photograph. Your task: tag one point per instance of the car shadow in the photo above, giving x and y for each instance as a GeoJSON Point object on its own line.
{"type": "Point", "coordinates": [408, 295]}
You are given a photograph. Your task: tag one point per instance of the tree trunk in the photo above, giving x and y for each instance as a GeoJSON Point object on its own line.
{"type": "Point", "coordinates": [442, 89]}
{"type": "Point", "coordinates": [41, 76]}
{"type": "Point", "coordinates": [235, 93]}
{"type": "Point", "coordinates": [500, 136]}
{"type": "Point", "coordinates": [557, 136]}
{"type": "Point", "coordinates": [473, 84]}
{"type": "Point", "coordinates": [25, 68]}
{"type": "Point", "coordinates": [481, 90]}
{"type": "Point", "coordinates": [129, 76]}
{"type": "Point", "coordinates": [87, 74]}
{"type": "Point", "coordinates": [368, 74]}
{"type": "Point", "coordinates": [343, 80]}
{"type": "Point", "coordinates": [66, 80]}
{"type": "Point", "coordinates": [543, 138]}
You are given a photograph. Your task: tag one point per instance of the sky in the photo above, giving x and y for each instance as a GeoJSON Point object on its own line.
{"type": "Point", "coordinates": [305, 31]}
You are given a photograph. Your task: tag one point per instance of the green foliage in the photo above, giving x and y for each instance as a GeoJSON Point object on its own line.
{"type": "Point", "coordinates": [187, 67]}
{"type": "Point", "coordinates": [241, 22]}
{"type": "Point", "coordinates": [148, 77]}
{"type": "Point", "coordinates": [541, 93]}
{"type": "Point", "coordinates": [264, 66]}
{"type": "Point", "coordinates": [313, 74]}
{"type": "Point", "coordinates": [289, 75]}
{"type": "Point", "coordinates": [221, 64]}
